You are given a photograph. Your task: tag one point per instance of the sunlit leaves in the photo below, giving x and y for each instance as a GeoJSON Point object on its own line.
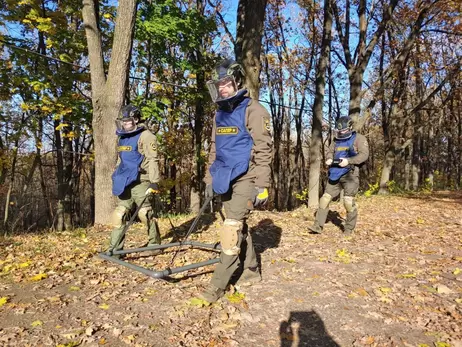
{"type": "Point", "coordinates": [3, 300]}
{"type": "Point", "coordinates": [39, 277]}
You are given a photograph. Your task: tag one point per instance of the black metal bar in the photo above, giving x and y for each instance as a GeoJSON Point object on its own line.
{"type": "Point", "coordinates": [216, 246]}
{"type": "Point", "coordinates": [168, 270]}
{"type": "Point", "coordinates": [193, 225]}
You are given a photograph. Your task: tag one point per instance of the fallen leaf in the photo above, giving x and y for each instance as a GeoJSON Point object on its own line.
{"type": "Point", "coordinates": [236, 297]}
{"type": "Point", "coordinates": [3, 300]}
{"type": "Point", "coordinates": [38, 277]}
{"type": "Point", "coordinates": [198, 302]}
{"type": "Point", "coordinates": [104, 306]}
{"type": "Point", "coordinates": [36, 323]}
{"type": "Point", "coordinates": [442, 289]}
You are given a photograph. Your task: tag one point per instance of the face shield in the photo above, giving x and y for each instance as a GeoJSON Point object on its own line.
{"type": "Point", "coordinates": [126, 125]}
{"type": "Point", "coordinates": [222, 89]}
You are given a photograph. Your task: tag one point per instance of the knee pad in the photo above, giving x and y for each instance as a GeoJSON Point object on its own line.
{"type": "Point", "coordinates": [229, 236]}
{"type": "Point", "coordinates": [349, 203]}
{"type": "Point", "coordinates": [145, 215]}
{"type": "Point", "coordinates": [325, 201]}
{"type": "Point", "coordinates": [118, 216]}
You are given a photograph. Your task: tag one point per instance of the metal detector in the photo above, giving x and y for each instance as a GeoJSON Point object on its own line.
{"type": "Point", "coordinates": [109, 255]}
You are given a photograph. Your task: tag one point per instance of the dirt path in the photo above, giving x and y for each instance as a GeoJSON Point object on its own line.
{"type": "Point", "coordinates": [396, 282]}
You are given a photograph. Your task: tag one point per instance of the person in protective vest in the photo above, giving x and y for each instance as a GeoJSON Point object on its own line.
{"type": "Point", "coordinates": [239, 171]}
{"type": "Point", "coordinates": [136, 175]}
{"type": "Point", "coordinates": [346, 153]}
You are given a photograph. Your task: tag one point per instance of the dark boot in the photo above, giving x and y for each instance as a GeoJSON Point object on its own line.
{"type": "Point", "coordinates": [321, 216]}
{"type": "Point", "coordinates": [211, 293]}
{"type": "Point", "coordinates": [350, 222]}
{"type": "Point", "coordinates": [315, 228]}
{"type": "Point", "coordinates": [249, 277]}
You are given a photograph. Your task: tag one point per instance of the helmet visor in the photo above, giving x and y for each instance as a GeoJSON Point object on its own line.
{"type": "Point", "coordinates": [343, 134]}
{"type": "Point", "coordinates": [222, 89]}
{"type": "Point", "coordinates": [126, 125]}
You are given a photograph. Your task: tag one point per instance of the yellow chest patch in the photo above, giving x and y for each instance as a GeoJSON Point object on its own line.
{"type": "Point", "coordinates": [227, 131]}
{"type": "Point", "coordinates": [339, 149]}
{"type": "Point", "coordinates": [124, 149]}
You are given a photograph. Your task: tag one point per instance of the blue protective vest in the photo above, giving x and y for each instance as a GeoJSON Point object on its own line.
{"type": "Point", "coordinates": [233, 144]}
{"type": "Point", "coordinates": [130, 160]}
{"type": "Point", "coordinates": [343, 149]}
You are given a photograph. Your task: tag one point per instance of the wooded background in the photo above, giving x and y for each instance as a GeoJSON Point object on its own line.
{"type": "Point", "coordinates": [66, 68]}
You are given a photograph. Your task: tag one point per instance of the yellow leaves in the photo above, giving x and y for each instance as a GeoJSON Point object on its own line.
{"type": "Point", "coordinates": [24, 265]}
{"type": "Point", "coordinates": [49, 43]}
{"type": "Point", "coordinates": [61, 126]}
{"type": "Point", "coordinates": [236, 297]}
{"type": "Point", "coordinates": [65, 57]}
{"type": "Point", "coordinates": [362, 292]}
{"type": "Point", "coordinates": [38, 277]}
{"type": "Point", "coordinates": [4, 300]}
{"type": "Point", "coordinates": [458, 300]}
{"type": "Point", "coordinates": [442, 344]}
{"type": "Point", "coordinates": [74, 288]}
{"type": "Point", "coordinates": [385, 290]}
{"type": "Point", "coordinates": [420, 220]}
{"type": "Point", "coordinates": [36, 323]}
{"type": "Point", "coordinates": [199, 302]}
{"type": "Point", "coordinates": [457, 271]}
{"type": "Point", "coordinates": [104, 306]}
{"type": "Point", "coordinates": [342, 256]}
{"type": "Point", "coordinates": [129, 339]}
{"type": "Point", "coordinates": [46, 109]}
{"type": "Point", "coordinates": [408, 276]}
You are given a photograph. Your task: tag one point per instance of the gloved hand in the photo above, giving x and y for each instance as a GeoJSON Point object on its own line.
{"type": "Point", "coordinates": [329, 162]}
{"type": "Point", "coordinates": [153, 189]}
{"type": "Point", "coordinates": [209, 193]}
{"type": "Point", "coordinates": [343, 162]}
{"type": "Point", "coordinates": [261, 196]}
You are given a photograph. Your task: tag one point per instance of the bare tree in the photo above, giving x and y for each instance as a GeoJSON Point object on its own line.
{"type": "Point", "coordinates": [250, 23]}
{"type": "Point", "coordinates": [108, 94]}
{"type": "Point", "coordinates": [316, 132]}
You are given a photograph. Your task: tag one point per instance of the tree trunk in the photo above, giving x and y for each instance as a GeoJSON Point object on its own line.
{"type": "Point", "coordinates": [249, 32]}
{"type": "Point", "coordinates": [107, 95]}
{"type": "Point", "coordinates": [316, 132]}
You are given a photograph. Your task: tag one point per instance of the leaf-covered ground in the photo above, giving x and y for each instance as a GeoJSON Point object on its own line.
{"type": "Point", "coordinates": [396, 282]}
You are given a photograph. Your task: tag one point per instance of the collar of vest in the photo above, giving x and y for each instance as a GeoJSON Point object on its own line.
{"type": "Point", "coordinates": [347, 136]}
{"type": "Point", "coordinates": [231, 103]}
{"type": "Point", "coordinates": [138, 129]}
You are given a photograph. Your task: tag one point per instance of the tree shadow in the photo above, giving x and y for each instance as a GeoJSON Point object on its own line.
{"type": "Point", "coordinates": [305, 328]}
{"type": "Point", "coordinates": [451, 197]}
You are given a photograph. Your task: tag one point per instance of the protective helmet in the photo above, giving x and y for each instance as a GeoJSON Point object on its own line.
{"type": "Point", "coordinates": [227, 80]}
{"type": "Point", "coordinates": [128, 119]}
{"type": "Point", "coordinates": [343, 128]}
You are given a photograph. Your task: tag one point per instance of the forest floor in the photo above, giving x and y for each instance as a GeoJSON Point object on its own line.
{"type": "Point", "coordinates": [396, 282]}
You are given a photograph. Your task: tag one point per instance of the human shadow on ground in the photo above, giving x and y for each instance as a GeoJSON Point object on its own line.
{"type": "Point", "coordinates": [264, 235]}
{"type": "Point", "coordinates": [335, 218]}
{"type": "Point", "coordinates": [305, 328]}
